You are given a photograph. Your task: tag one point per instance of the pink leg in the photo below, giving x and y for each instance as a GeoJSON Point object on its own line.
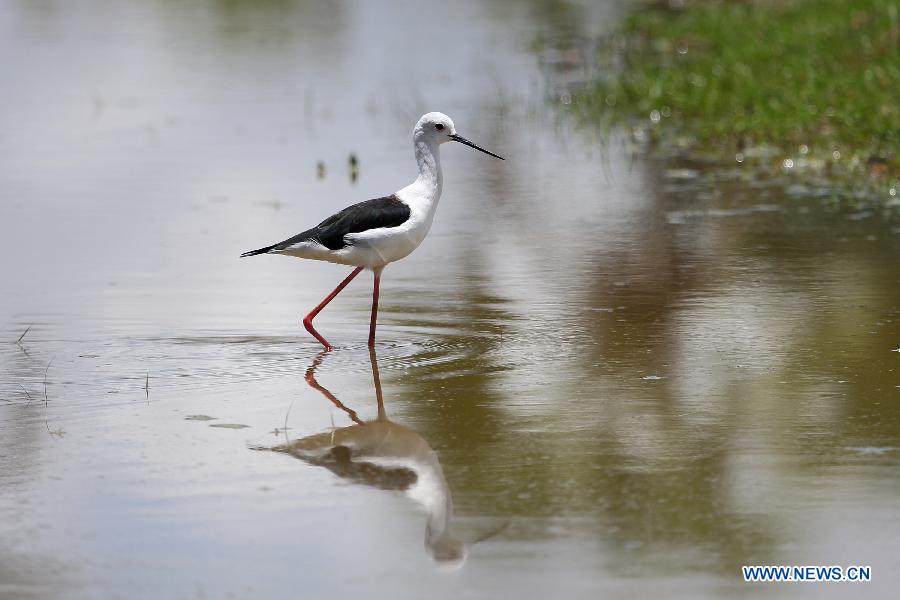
{"type": "Point", "coordinates": [308, 319]}
{"type": "Point", "coordinates": [374, 309]}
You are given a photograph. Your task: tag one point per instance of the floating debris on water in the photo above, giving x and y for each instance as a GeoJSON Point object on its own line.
{"type": "Point", "coordinates": [683, 174]}
{"type": "Point", "coordinates": [761, 152]}
{"type": "Point", "coordinates": [872, 450]}
{"type": "Point", "coordinates": [229, 425]}
{"type": "Point", "coordinates": [199, 418]}
{"type": "Point", "coordinates": [652, 377]}
{"type": "Point", "coordinates": [679, 217]}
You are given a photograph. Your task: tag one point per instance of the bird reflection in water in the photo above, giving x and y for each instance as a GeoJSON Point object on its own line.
{"type": "Point", "coordinates": [388, 456]}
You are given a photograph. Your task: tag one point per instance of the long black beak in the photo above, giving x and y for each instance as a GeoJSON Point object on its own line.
{"type": "Point", "coordinates": [462, 140]}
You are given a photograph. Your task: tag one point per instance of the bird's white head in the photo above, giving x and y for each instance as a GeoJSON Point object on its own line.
{"type": "Point", "coordinates": [437, 128]}
{"type": "Point", "coordinates": [434, 127]}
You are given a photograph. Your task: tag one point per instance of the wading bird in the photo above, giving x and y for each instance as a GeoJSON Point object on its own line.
{"type": "Point", "coordinates": [377, 232]}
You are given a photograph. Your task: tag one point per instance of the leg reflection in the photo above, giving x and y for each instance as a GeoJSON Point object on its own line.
{"type": "Point", "coordinates": [386, 455]}
{"type": "Point", "coordinates": [311, 381]}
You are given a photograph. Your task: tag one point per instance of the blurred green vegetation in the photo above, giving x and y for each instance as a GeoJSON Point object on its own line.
{"type": "Point", "coordinates": [819, 77]}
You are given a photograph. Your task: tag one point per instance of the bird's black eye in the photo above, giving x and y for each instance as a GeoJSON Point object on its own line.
{"type": "Point", "coordinates": [439, 126]}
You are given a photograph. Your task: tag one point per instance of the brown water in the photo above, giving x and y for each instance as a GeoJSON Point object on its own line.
{"type": "Point", "coordinates": [623, 379]}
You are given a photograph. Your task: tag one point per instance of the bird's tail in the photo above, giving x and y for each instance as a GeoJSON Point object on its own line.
{"type": "Point", "coordinates": [258, 251]}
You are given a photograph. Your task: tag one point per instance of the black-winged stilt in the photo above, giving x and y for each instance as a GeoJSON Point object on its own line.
{"type": "Point", "coordinates": [374, 233]}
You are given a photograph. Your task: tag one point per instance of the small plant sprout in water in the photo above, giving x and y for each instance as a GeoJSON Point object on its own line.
{"type": "Point", "coordinates": [27, 395]}
{"type": "Point", "coordinates": [24, 333]}
{"type": "Point", "coordinates": [22, 337]}
{"type": "Point", "coordinates": [353, 166]}
{"type": "Point", "coordinates": [50, 362]}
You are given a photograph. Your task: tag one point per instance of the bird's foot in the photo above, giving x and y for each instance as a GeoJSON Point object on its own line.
{"type": "Point", "coordinates": [307, 323]}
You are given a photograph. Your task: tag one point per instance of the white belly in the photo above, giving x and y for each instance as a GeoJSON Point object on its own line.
{"type": "Point", "coordinates": [372, 249]}
{"type": "Point", "coordinates": [377, 247]}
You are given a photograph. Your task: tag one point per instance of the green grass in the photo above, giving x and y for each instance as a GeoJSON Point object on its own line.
{"type": "Point", "coordinates": [821, 75]}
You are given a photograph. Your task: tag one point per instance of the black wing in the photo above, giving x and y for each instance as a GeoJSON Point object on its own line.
{"type": "Point", "coordinates": [388, 211]}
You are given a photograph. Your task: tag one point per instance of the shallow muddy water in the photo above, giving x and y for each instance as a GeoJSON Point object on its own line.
{"type": "Point", "coordinates": [600, 374]}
